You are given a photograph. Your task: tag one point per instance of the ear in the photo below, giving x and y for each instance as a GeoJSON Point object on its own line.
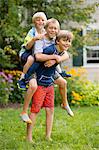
{"type": "Point", "coordinates": [57, 42]}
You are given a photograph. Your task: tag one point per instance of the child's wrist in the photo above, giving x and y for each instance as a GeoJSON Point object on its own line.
{"type": "Point", "coordinates": [34, 39]}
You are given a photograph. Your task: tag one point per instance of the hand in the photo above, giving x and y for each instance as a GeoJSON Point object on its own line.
{"type": "Point", "coordinates": [49, 63]}
{"type": "Point", "coordinates": [57, 58]}
{"type": "Point", "coordinates": [39, 36]}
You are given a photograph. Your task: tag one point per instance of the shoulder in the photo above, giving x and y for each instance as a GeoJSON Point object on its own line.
{"type": "Point", "coordinates": [52, 46]}
{"type": "Point", "coordinates": [64, 53]}
{"type": "Point", "coordinates": [49, 49]}
{"type": "Point", "coordinates": [32, 31]}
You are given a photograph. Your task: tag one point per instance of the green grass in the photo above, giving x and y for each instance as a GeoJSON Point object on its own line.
{"type": "Point", "coordinates": [78, 133]}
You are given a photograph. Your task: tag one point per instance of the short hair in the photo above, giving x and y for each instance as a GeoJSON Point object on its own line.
{"type": "Point", "coordinates": [64, 34]}
{"type": "Point", "coordinates": [52, 20]}
{"type": "Point", "coordinates": [39, 14]}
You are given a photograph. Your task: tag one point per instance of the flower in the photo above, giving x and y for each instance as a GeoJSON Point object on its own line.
{"type": "Point", "coordinates": [76, 96]}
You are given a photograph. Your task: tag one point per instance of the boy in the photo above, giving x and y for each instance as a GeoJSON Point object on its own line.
{"type": "Point", "coordinates": [52, 27]}
{"type": "Point", "coordinates": [26, 54]}
{"type": "Point", "coordinates": [44, 95]}
{"type": "Point", "coordinates": [36, 33]}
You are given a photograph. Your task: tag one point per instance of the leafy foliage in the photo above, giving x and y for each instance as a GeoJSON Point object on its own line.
{"type": "Point", "coordinates": [82, 91]}
{"type": "Point", "coordinates": [14, 13]}
{"type": "Point", "coordinates": [6, 87]}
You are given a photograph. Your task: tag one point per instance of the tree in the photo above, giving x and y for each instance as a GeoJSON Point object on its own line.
{"type": "Point", "coordinates": [11, 31]}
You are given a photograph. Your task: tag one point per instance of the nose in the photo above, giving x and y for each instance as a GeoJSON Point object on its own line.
{"type": "Point", "coordinates": [41, 21]}
{"type": "Point", "coordinates": [53, 29]}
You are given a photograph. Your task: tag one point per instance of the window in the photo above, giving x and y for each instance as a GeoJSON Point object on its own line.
{"type": "Point", "coordinates": [92, 56]}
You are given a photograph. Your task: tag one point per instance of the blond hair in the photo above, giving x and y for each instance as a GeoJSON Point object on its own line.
{"type": "Point", "coordinates": [39, 14]}
{"type": "Point", "coordinates": [52, 20]}
{"type": "Point", "coordinates": [64, 34]}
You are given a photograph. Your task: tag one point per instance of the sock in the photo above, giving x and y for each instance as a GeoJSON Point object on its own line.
{"type": "Point", "coordinates": [22, 76]}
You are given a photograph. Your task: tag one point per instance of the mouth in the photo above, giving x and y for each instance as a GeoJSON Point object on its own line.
{"type": "Point", "coordinates": [66, 46]}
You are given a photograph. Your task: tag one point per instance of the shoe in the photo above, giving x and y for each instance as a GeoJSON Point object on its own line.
{"type": "Point", "coordinates": [68, 109]}
{"type": "Point", "coordinates": [21, 84]}
{"type": "Point", "coordinates": [25, 118]}
{"type": "Point", "coordinates": [65, 75]}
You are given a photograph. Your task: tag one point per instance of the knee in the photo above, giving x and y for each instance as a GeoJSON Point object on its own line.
{"type": "Point", "coordinates": [50, 111]}
{"type": "Point", "coordinates": [33, 85]}
{"type": "Point", "coordinates": [30, 59]}
{"type": "Point", "coordinates": [63, 83]}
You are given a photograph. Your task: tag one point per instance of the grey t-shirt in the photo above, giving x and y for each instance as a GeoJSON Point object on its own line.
{"type": "Point", "coordinates": [41, 44]}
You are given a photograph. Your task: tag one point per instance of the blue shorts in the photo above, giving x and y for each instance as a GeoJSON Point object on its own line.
{"type": "Point", "coordinates": [56, 75]}
{"type": "Point", "coordinates": [25, 55]}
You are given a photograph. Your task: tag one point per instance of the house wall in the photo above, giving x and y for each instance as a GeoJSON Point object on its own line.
{"type": "Point", "coordinates": [92, 73]}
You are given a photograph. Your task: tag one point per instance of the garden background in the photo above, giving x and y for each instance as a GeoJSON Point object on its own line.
{"type": "Point", "coordinates": [15, 21]}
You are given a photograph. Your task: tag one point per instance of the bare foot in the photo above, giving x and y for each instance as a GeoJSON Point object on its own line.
{"type": "Point", "coordinates": [49, 139]}
{"type": "Point", "coordinates": [68, 109]}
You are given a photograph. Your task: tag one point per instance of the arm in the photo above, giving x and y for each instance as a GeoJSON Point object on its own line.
{"type": "Point", "coordinates": [59, 59]}
{"type": "Point", "coordinates": [44, 57]}
{"type": "Point", "coordinates": [38, 51]}
{"type": "Point", "coordinates": [50, 63]}
{"type": "Point", "coordinates": [30, 43]}
{"type": "Point", "coordinates": [63, 57]}
{"type": "Point", "coordinates": [32, 70]}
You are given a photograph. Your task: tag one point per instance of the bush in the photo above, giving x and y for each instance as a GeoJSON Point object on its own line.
{"type": "Point", "coordinates": [57, 99]}
{"type": "Point", "coordinates": [6, 87]}
{"type": "Point", "coordinates": [17, 95]}
{"type": "Point", "coordinates": [9, 91]}
{"type": "Point", "coordinates": [80, 90]}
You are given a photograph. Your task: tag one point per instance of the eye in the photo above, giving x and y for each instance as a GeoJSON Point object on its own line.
{"type": "Point", "coordinates": [43, 20]}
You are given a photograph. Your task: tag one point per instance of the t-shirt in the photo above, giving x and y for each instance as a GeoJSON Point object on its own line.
{"type": "Point", "coordinates": [45, 74]}
{"type": "Point", "coordinates": [32, 32]}
{"type": "Point", "coordinates": [41, 44]}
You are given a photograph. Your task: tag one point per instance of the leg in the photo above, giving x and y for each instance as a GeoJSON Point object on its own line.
{"type": "Point", "coordinates": [62, 89]}
{"type": "Point", "coordinates": [30, 126]}
{"type": "Point", "coordinates": [49, 108]}
{"type": "Point", "coordinates": [31, 90]}
{"type": "Point", "coordinates": [29, 62]}
{"type": "Point", "coordinates": [21, 83]}
{"type": "Point", "coordinates": [37, 103]}
{"type": "Point", "coordinates": [49, 121]}
{"type": "Point", "coordinates": [63, 92]}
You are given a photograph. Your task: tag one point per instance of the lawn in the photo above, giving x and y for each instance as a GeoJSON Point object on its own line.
{"type": "Point", "coordinates": [78, 133]}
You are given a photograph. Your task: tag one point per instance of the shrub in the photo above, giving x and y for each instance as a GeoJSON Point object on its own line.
{"type": "Point", "coordinates": [57, 99]}
{"type": "Point", "coordinates": [6, 87]}
{"type": "Point", "coordinates": [16, 95]}
{"type": "Point", "coordinates": [80, 90]}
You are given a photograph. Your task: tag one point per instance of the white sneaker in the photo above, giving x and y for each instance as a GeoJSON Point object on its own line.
{"type": "Point", "coordinates": [68, 109]}
{"type": "Point", "coordinates": [25, 118]}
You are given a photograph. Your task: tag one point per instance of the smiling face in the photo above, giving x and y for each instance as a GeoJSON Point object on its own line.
{"type": "Point", "coordinates": [64, 44]}
{"type": "Point", "coordinates": [39, 22]}
{"type": "Point", "coordinates": [52, 30]}
{"type": "Point", "coordinates": [64, 40]}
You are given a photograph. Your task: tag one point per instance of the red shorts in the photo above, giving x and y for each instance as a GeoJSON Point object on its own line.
{"type": "Point", "coordinates": [43, 97]}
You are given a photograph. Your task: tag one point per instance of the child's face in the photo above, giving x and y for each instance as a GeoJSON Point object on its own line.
{"type": "Point", "coordinates": [64, 44]}
{"type": "Point", "coordinates": [52, 30]}
{"type": "Point", "coordinates": [39, 22]}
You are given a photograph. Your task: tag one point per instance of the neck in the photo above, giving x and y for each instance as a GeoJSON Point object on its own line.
{"type": "Point", "coordinates": [58, 48]}
{"type": "Point", "coordinates": [40, 31]}
{"type": "Point", "coordinates": [48, 38]}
